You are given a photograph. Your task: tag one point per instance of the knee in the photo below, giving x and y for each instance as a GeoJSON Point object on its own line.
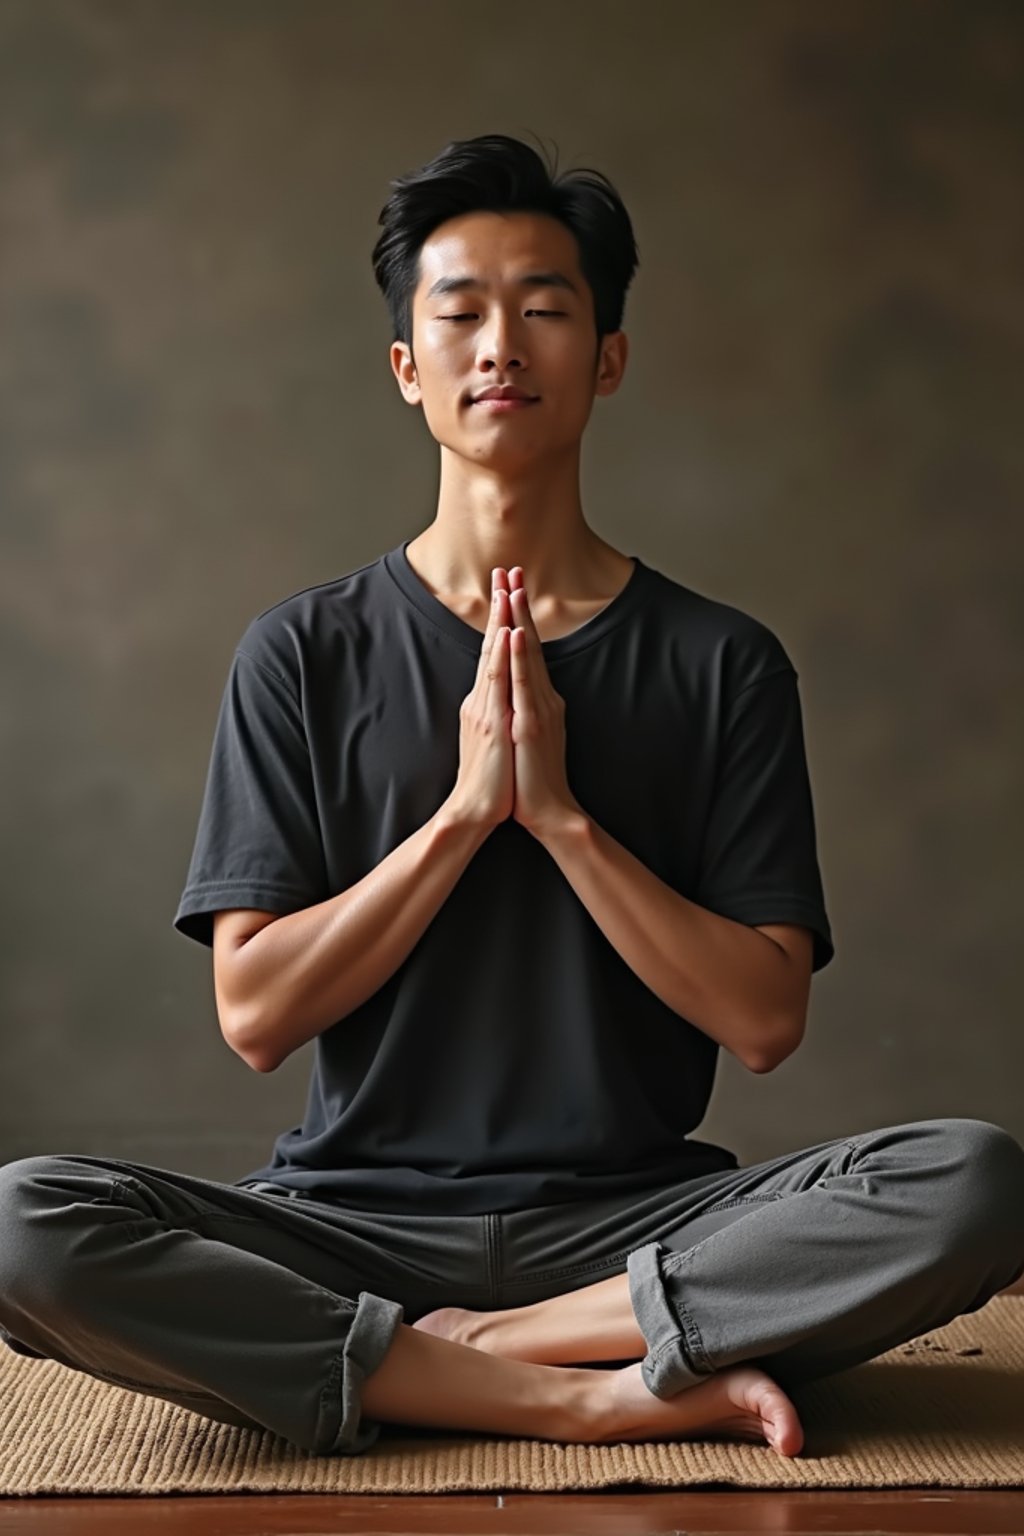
{"type": "Point", "coordinates": [23, 1259]}
{"type": "Point", "coordinates": [19, 1179]}
{"type": "Point", "coordinates": [987, 1191]}
{"type": "Point", "coordinates": [990, 1160]}
{"type": "Point", "coordinates": [17, 1183]}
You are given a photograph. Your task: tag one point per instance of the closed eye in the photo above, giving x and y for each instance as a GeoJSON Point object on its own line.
{"type": "Point", "coordinates": [529, 312]}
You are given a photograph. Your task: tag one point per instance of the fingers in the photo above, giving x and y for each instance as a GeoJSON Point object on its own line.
{"type": "Point", "coordinates": [495, 618]}
{"type": "Point", "coordinates": [496, 696]}
{"type": "Point", "coordinates": [522, 615]}
{"type": "Point", "coordinates": [494, 650]}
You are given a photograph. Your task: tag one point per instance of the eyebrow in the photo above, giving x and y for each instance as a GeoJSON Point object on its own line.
{"type": "Point", "coordinates": [528, 280]}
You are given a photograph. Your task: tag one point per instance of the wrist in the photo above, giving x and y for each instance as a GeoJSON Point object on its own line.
{"type": "Point", "coordinates": [570, 825]}
{"type": "Point", "coordinates": [455, 817]}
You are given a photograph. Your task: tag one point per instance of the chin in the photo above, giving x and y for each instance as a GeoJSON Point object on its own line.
{"type": "Point", "coordinates": [497, 449]}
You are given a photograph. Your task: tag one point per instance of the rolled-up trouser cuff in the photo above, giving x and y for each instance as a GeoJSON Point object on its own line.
{"type": "Point", "coordinates": [671, 1340]}
{"type": "Point", "coordinates": [367, 1342]}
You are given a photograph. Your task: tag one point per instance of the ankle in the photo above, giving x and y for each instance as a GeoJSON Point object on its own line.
{"type": "Point", "coordinates": [510, 1334]}
{"type": "Point", "coordinates": [496, 1333]}
{"type": "Point", "coordinates": [562, 1403]}
{"type": "Point", "coordinates": [588, 1407]}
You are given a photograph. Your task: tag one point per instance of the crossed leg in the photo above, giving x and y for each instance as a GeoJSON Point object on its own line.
{"type": "Point", "coordinates": [428, 1378]}
{"type": "Point", "coordinates": [843, 1251]}
{"type": "Point", "coordinates": [597, 1324]}
{"type": "Point", "coordinates": [594, 1324]}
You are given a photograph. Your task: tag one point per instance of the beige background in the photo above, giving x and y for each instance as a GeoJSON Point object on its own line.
{"type": "Point", "coordinates": [820, 424]}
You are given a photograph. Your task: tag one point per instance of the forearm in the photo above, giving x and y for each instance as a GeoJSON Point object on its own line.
{"type": "Point", "coordinates": [726, 978]}
{"type": "Point", "coordinates": [308, 970]}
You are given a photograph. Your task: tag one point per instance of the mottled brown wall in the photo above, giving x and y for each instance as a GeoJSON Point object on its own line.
{"type": "Point", "coordinates": [820, 424]}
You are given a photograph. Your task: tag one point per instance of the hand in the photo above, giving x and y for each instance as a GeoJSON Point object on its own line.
{"type": "Point", "coordinates": [543, 799]}
{"type": "Point", "coordinates": [483, 793]}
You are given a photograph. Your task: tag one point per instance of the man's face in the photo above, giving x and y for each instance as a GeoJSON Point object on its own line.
{"type": "Point", "coordinates": [539, 335]}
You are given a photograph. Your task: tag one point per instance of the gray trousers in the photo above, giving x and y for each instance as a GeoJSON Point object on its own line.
{"type": "Point", "coordinates": [259, 1308]}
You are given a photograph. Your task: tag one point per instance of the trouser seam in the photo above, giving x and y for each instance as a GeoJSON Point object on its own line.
{"type": "Point", "coordinates": [332, 1406]}
{"type": "Point", "coordinates": [725, 1205]}
{"type": "Point", "coordinates": [693, 1342]}
{"type": "Point", "coordinates": [531, 1276]}
{"type": "Point", "coordinates": [668, 1328]}
{"type": "Point", "coordinates": [492, 1233]}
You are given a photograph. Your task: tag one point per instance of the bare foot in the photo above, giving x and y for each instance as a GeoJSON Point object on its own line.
{"type": "Point", "coordinates": [455, 1323]}
{"type": "Point", "coordinates": [740, 1403]}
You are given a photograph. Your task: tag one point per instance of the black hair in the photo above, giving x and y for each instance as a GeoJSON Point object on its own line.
{"type": "Point", "coordinates": [496, 173]}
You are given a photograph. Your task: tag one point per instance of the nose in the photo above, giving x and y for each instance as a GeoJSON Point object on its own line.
{"type": "Point", "coordinates": [499, 347]}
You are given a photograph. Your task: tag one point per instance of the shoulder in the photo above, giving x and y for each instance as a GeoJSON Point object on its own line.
{"type": "Point", "coordinates": [293, 634]}
{"type": "Point", "coordinates": [732, 647]}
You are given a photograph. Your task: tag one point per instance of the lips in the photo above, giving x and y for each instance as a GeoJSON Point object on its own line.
{"type": "Point", "coordinates": [503, 405]}
{"type": "Point", "coordinates": [503, 392]}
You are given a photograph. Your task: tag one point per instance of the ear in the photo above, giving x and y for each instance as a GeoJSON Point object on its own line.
{"type": "Point", "coordinates": [404, 369]}
{"type": "Point", "coordinates": [612, 362]}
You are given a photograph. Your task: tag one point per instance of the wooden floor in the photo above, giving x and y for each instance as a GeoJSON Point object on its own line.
{"type": "Point", "coordinates": [960, 1513]}
{"type": "Point", "coordinates": [845, 1512]}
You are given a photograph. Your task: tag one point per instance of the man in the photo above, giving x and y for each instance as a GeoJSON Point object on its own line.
{"type": "Point", "coordinates": [518, 831]}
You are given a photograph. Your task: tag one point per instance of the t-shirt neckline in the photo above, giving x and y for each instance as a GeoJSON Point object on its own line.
{"type": "Point", "coordinates": [399, 568]}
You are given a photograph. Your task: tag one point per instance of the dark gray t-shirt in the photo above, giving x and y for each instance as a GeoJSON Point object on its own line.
{"type": "Point", "coordinates": [514, 1058]}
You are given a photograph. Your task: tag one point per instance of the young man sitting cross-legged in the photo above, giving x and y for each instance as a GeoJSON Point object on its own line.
{"type": "Point", "coordinates": [518, 831]}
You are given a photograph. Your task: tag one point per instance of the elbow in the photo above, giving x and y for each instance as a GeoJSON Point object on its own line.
{"type": "Point", "coordinates": [259, 1063]}
{"type": "Point", "coordinates": [240, 1005]}
{"type": "Point", "coordinates": [255, 1059]}
{"type": "Point", "coordinates": [762, 1064]}
{"type": "Point", "coordinates": [785, 1044]}
{"type": "Point", "coordinates": [244, 1037]}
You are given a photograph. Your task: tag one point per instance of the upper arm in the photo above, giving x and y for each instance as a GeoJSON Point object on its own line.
{"type": "Point", "coordinates": [233, 928]}
{"type": "Point", "coordinates": [259, 844]}
{"type": "Point", "coordinates": [758, 854]}
{"type": "Point", "coordinates": [797, 941]}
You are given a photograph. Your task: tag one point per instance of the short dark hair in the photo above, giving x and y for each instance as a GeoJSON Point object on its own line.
{"type": "Point", "coordinates": [496, 173]}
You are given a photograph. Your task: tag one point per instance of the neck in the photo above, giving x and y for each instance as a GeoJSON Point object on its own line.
{"type": "Point", "coordinates": [535, 520]}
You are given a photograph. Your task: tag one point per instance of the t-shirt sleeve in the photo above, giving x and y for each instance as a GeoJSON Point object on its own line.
{"type": "Point", "coordinates": [759, 859]}
{"type": "Point", "coordinates": [258, 842]}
